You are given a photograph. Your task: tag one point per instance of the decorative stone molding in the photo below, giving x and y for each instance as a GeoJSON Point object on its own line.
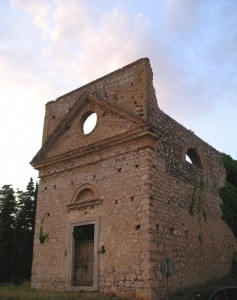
{"type": "Point", "coordinates": [85, 196]}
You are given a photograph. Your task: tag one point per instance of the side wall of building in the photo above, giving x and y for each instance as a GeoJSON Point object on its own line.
{"type": "Point", "coordinates": [185, 210]}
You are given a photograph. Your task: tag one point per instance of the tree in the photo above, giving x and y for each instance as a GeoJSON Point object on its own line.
{"type": "Point", "coordinates": [229, 206]}
{"type": "Point", "coordinates": [17, 222]}
{"type": "Point", "coordinates": [24, 232]}
{"type": "Point", "coordinates": [228, 193]}
{"type": "Point", "coordinates": [7, 229]}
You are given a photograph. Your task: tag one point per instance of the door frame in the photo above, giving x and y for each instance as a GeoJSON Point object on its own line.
{"type": "Point", "coordinates": [70, 256]}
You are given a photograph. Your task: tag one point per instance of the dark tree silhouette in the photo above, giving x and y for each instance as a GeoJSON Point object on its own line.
{"type": "Point", "coordinates": [7, 230]}
{"type": "Point", "coordinates": [17, 222]}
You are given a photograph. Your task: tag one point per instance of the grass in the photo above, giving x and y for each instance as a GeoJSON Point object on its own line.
{"type": "Point", "coordinates": [25, 292]}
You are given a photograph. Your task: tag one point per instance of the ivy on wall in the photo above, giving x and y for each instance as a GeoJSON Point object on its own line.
{"type": "Point", "coordinates": [43, 237]}
{"type": "Point", "coordinates": [197, 202]}
{"type": "Point", "coordinates": [228, 193]}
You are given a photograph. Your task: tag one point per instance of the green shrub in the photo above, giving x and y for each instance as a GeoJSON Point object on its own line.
{"type": "Point", "coordinates": [228, 193]}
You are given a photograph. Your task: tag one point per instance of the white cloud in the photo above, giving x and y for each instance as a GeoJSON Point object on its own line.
{"type": "Point", "coordinates": [82, 51]}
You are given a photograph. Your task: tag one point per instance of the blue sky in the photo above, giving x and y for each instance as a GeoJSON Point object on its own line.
{"type": "Point", "coordinates": [48, 48]}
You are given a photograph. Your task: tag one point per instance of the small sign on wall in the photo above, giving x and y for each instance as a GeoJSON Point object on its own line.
{"type": "Point", "coordinates": [167, 269]}
{"type": "Point", "coordinates": [167, 266]}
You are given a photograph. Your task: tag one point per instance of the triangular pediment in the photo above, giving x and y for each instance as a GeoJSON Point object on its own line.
{"type": "Point", "coordinates": [68, 136]}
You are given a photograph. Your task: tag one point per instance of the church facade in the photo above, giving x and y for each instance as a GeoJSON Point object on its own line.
{"type": "Point", "coordinates": [117, 201]}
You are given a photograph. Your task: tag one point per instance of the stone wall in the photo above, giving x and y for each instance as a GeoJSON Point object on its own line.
{"type": "Point", "coordinates": [185, 213]}
{"type": "Point", "coordinates": [148, 202]}
{"type": "Point", "coordinates": [123, 222]}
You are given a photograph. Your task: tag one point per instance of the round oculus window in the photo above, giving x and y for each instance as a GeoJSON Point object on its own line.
{"type": "Point", "coordinates": [89, 122]}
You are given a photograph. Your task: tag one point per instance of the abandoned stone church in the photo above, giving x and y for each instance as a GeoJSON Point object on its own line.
{"type": "Point", "coordinates": [114, 201]}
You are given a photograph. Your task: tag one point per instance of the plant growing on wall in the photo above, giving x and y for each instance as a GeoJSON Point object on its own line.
{"type": "Point", "coordinates": [43, 237]}
{"type": "Point", "coordinates": [228, 193]}
{"type": "Point", "coordinates": [197, 202]}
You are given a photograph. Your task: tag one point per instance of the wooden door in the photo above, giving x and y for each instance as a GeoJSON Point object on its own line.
{"type": "Point", "coordinates": [83, 255]}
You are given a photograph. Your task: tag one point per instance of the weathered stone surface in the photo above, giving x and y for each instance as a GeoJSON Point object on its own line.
{"type": "Point", "coordinates": [130, 180]}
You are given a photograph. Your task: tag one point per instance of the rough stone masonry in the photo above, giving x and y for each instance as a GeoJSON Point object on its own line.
{"type": "Point", "coordinates": [115, 201]}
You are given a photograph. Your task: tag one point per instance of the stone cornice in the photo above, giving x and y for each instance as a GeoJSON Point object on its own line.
{"type": "Point", "coordinates": [144, 136]}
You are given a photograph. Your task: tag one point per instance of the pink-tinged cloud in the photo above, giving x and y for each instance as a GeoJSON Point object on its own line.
{"type": "Point", "coordinates": [50, 47]}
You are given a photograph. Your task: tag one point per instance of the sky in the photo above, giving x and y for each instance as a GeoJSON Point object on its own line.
{"type": "Point", "coordinates": [50, 47]}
